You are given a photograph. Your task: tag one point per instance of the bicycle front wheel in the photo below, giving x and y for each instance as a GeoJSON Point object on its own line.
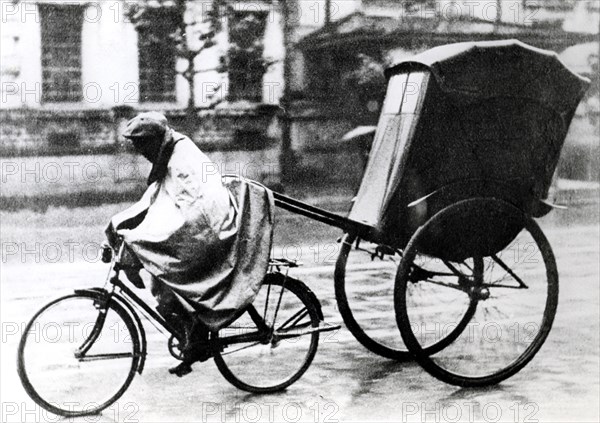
{"type": "Point", "coordinates": [78, 354]}
{"type": "Point", "coordinates": [271, 345]}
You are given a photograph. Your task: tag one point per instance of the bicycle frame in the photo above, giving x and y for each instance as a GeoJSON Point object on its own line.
{"type": "Point", "coordinates": [264, 333]}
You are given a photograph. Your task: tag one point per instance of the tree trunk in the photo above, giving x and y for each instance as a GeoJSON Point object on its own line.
{"type": "Point", "coordinates": [191, 106]}
{"type": "Point", "coordinates": [182, 6]}
{"type": "Point", "coordinates": [498, 11]}
{"type": "Point", "coordinates": [286, 161]}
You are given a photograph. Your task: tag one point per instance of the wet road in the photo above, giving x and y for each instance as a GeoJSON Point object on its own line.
{"type": "Point", "coordinates": [345, 382]}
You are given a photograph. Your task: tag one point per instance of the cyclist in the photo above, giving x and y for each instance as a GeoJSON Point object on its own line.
{"type": "Point", "coordinates": [184, 232]}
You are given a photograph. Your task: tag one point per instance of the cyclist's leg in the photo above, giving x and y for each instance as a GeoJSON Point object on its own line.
{"type": "Point", "coordinates": [170, 308]}
{"type": "Point", "coordinates": [194, 345]}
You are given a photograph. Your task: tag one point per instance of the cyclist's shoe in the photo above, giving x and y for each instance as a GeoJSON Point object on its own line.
{"type": "Point", "coordinates": [195, 348]}
{"type": "Point", "coordinates": [191, 354]}
{"type": "Point", "coordinates": [181, 369]}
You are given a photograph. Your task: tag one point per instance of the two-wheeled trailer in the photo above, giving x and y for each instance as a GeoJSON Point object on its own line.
{"type": "Point", "coordinates": [443, 223]}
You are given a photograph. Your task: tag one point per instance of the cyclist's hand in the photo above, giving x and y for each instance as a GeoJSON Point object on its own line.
{"type": "Point", "coordinates": [112, 238]}
{"type": "Point", "coordinates": [107, 252]}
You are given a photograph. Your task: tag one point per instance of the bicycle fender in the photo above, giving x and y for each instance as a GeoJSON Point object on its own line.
{"type": "Point", "coordinates": [315, 300]}
{"type": "Point", "coordinates": [140, 331]}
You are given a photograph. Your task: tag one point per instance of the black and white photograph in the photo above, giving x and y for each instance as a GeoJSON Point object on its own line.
{"type": "Point", "coordinates": [319, 211]}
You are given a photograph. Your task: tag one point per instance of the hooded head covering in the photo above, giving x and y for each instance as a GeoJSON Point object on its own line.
{"type": "Point", "coordinates": [146, 125]}
{"type": "Point", "coordinates": [154, 127]}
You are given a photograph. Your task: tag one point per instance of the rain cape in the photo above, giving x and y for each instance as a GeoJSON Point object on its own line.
{"type": "Point", "coordinates": [206, 238]}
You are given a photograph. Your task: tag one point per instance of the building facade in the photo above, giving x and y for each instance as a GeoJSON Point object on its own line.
{"type": "Point", "coordinates": [342, 85]}
{"type": "Point", "coordinates": [72, 72]}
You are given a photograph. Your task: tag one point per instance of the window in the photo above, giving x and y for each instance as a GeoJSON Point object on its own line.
{"type": "Point", "coordinates": [330, 72]}
{"type": "Point", "coordinates": [246, 64]}
{"type": "Point", "coordinates": [321, 74]}
{"type": "Point", "coordinates": [61, 52]}
{"type": "Point", "coordinates": [157, 55]}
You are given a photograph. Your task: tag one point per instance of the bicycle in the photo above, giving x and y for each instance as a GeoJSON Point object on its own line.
{"type": "Point", "coordinates": [79, 353]}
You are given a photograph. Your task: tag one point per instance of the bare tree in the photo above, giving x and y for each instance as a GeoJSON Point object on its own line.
{"type": "Point", "coordinates": [193, 30]}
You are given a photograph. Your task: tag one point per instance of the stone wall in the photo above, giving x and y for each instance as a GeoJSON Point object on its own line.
{"type": "Point", "coordinates": [73, 157]}
{"type": "Point", "coordinates": [41, 132]}
{"type": "Point", "coordinates": [35, 132]}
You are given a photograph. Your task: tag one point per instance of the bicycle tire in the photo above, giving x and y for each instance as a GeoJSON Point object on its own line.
{"type": "Point", "coordinates": [44, 390]}
{"type": "Point", "coordinates": [452, 366]}
{"type": "Point", "coordinates": [379, 346]}
{"type": "Point", "coordinates": [234, 371]}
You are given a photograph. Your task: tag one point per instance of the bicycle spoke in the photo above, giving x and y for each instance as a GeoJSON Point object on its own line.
{"type": "Point", "coordinates": [447, 285]}
{"type": "Point", "coordinates": [267, 303]}
{"type": "Point", "coordinates": [509, 271]}
{"type": "Point", "coordinates": [298, 316]}
{"type": "Point", "coordinates": [278, 303]}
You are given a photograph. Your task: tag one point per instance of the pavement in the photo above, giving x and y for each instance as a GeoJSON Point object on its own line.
{"type": "Point", "coordinates": [345, 382]}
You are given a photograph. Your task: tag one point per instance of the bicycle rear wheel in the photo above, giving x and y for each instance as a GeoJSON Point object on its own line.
{"type": "Point", "coordinates": [78, 354]}
{"type": "Point", "coordinates": [275, 355]}
{"type": "Point", "coordinates": [513, 289]}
